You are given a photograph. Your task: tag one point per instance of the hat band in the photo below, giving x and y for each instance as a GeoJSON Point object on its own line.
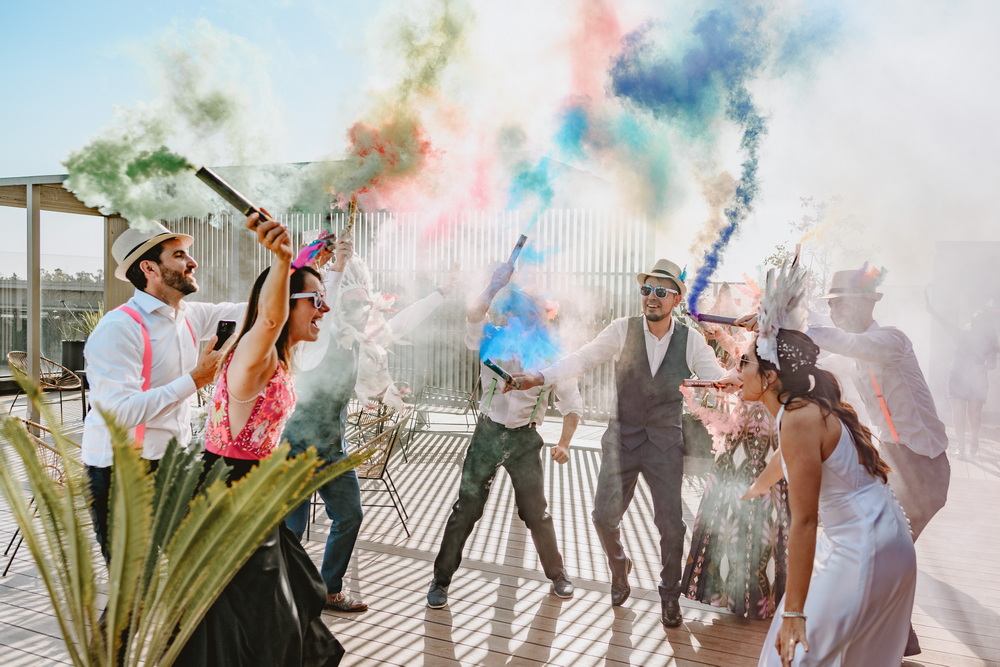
{"type": "Point", "coordinates": [850, 290]}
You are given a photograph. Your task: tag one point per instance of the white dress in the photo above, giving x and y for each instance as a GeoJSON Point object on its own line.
{"type": "Point", "coordinates": [864, 575]}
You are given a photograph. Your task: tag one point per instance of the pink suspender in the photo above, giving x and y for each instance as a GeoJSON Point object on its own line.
{"type": "Point", "coordinates": [885, 407]}
{"type": "Point", "coordinates": [147, 360]}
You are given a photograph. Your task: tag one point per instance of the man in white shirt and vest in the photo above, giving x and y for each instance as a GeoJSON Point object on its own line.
{"type": "Point", "coordinates": [654, 354]}
{"type": "Point", "coordinates": [896, 397]}
{"type": "Point", "coordinates": [143, 363]}
{"type": "Point", "coordinates": [506, 436]}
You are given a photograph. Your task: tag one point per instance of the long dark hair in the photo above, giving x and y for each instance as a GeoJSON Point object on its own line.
{"type": "Point", "coordinates": [296, 283]}
{"type": "Point", "coordinates": [803, 383]}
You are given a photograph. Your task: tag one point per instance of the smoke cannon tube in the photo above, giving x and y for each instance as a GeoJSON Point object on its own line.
{"type": "Point", "coordinates": [517, 248]}
{"type": "Point", "coordinates": [499, 371]}
{"type": "Point", "coordinates": [227, 192]}
{"type": "Point", "coordinates": [718, 319]}
{"type": "Point", "coordinates": [352, 216]}
{"type": "Point", "coordinates": [701, 383]}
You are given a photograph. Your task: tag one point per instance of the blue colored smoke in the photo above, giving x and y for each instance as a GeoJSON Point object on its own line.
{"type": "Point", "coordinates": [523, 335]}
{"type": "Point", "coordinates": [706, 79]}
{"type": "Point", "coordinates": [532, 182]}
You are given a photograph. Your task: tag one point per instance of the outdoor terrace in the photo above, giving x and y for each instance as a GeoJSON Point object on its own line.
{"type": "Point", "coordinates": [501, 611]}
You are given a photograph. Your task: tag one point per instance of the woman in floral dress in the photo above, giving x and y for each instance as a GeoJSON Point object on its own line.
{"type": "Point", "coordinates": [737, 557]}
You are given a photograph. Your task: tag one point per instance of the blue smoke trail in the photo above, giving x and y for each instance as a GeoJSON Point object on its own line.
{"type": "Point", "coordinates": [709, 80]}
{"type": "Point", "coordinates": [524, 337]}
{"type": "Point", "coordinates": [572, 131]}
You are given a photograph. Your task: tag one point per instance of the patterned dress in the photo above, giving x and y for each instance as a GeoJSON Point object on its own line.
{"type": "Point", "coordinates": [737, 557]}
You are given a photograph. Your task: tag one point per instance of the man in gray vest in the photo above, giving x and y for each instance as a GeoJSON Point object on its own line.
{"type": "Point", "coordinates": [653, 355]}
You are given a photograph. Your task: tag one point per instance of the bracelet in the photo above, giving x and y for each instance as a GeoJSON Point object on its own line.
{"type": "Point", "coordinates": [793, 614]}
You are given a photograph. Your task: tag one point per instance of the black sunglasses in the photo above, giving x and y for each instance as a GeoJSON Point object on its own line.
{"type": "Point", "coordinates": [660, 292]}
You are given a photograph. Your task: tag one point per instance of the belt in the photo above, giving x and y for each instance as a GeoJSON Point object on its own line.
{"type": "Point", "coordinates": [526, 427]}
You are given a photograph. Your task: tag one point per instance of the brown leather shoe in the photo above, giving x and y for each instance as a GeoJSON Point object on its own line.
{"type": "Point", "coordinates": [620, 590]}
{"type": "Point", "coordinates": [671, 616]}
{"type": "Point", "coordinates": [343, 602]}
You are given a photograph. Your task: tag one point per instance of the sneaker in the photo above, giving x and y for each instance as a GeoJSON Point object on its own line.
{"type": "Point", "coordinates": [437, 595]}
{"type": "Point", "coordinates": [562, 586]}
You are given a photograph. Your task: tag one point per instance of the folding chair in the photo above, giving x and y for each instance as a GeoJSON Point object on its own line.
{"type": "Point", "coordinates": [377, 467]}
{"type": "Point", "coordinates": [54, 466]}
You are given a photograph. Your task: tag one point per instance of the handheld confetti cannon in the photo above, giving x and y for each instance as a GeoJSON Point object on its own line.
{"type": "Point", "coordinates": [352, 217]}
{"type": "Point", "coordinates": [230, 194]}
{"type": "Point", "coordinates": [706, 384]}
{"type": "Point", "coordinates": [499, 371]}
{"type": "Point", "coordinates": [518, 248]}
{"type": "Point", "coordinates": [717, 319]}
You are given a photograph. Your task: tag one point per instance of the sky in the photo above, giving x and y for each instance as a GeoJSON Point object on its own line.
{"type": "Point", "coordinates": [883, 111]}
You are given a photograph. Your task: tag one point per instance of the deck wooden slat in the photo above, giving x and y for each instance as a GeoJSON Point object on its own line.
{"type": "Point", "coordinates": [502, 613]}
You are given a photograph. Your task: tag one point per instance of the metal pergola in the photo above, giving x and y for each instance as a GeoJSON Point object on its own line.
{"type": "Point", "coordinates": [36, 194]}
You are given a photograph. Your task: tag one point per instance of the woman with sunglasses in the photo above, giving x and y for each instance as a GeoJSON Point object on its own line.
{"type": "Point", "coordinates": [269, 612]}
{"type": "Point", "coordinates": [849, 595]}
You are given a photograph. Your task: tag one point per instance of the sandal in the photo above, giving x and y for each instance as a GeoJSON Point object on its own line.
{"type": "Point", "coordinates": [341, 602]}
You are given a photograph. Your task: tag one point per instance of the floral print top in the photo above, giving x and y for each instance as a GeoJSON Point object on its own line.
{"type": "Point", "coordinates": [262, 432]}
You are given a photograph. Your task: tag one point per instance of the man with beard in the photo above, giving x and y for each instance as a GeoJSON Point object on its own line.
{"type": "Point", "coordinates": [143, 363]}
{"type": "Point", "coordinates": [654, 354]}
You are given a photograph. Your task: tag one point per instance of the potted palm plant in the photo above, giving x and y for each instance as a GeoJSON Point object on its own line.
{"type": "Point", "coordinates": [172, 521]}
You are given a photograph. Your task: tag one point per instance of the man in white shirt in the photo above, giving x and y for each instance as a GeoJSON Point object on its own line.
{"type": "Point", "coordinates": [506, 436]}
{"type": "Point", "coordinates": [895, 395]}
{"type": "Point", "coordinates": [654, 354]}
{"type": "Point", "coordinates": [148, 394]}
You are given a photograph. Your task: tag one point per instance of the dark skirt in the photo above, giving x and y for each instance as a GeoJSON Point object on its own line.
{"type": "Point", "coordinates": [269, 614]}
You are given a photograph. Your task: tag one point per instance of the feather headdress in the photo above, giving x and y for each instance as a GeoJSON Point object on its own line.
{"type": "Point", "coordinates": [783, 306]}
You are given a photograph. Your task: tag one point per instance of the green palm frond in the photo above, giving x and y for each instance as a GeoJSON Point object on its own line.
{"type": "Point", "coordinates": [176, 537]}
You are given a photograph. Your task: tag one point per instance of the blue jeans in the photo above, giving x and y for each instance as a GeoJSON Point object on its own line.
{"type": "Point", "coordinates": [342, 498]}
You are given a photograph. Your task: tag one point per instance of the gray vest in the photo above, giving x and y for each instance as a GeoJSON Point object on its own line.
{"type": "Point", "coordinates": [649, 406]}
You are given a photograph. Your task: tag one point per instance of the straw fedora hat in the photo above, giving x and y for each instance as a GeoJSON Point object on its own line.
{"type": "Point", "coordinates": [852, 283]}
{"type": "Point", "coordinates": [133, 242]}
{"type": "Point", "coordinates": [667, 270]}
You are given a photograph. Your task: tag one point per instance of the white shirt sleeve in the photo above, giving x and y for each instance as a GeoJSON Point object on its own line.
{"type": "Point", "coordinates": [568, 398]}
{"type": "Point", "coordinates": [883, 346]}
{"type": "Point", "coordinates": [114, 370]}
{"type": "Point", "coordinates": [410, 317]}
{"type": "Point", "coordinates": [474, 333]}
{"type": "Point", "coordinates": [701, 358]}
{"type": "Point", "coordinates": [204, 318]}
{"type": "Point", "coordinates": [607, 345]}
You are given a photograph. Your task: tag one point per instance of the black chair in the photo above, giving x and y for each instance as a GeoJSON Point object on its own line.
{"type": "Point", "coordinates": [376, 467]}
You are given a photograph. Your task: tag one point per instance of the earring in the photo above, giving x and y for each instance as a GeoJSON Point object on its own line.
{"type": "Point", "coordinates": [765, 385]}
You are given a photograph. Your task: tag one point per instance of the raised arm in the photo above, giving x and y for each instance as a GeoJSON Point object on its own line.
{"type": "Point", "coordinates": [255, 357]}
{"type": "Point", "coordinates": [481, 304]}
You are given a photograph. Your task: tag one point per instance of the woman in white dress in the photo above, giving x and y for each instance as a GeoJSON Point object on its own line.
{"type": "Point", "coordinates": [854, 586]}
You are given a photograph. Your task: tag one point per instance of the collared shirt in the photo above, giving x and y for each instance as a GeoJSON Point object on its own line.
{"type": "Point", "coordinates": [610, 342]}
{"type": "Point", "coordinates": [114, 372]}
{"type": "Point", "coordinates": [514, 409]}
{"type": "Point", "coordinates": [888, 353]}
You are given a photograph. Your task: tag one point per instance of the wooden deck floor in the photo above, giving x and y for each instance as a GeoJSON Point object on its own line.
{"type": "Point", "coordinates": [502, 613]}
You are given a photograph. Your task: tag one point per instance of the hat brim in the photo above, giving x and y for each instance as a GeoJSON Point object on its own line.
{"type": "Point", "coordinates": [136, 253]}
{"type": "Point", "coordinates": [643, 277]}
{"type": "Point", "coordinates": [871, 296]}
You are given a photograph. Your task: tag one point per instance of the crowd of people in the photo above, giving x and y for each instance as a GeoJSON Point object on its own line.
{"type": "Point", "coordinates": [797, 454]}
